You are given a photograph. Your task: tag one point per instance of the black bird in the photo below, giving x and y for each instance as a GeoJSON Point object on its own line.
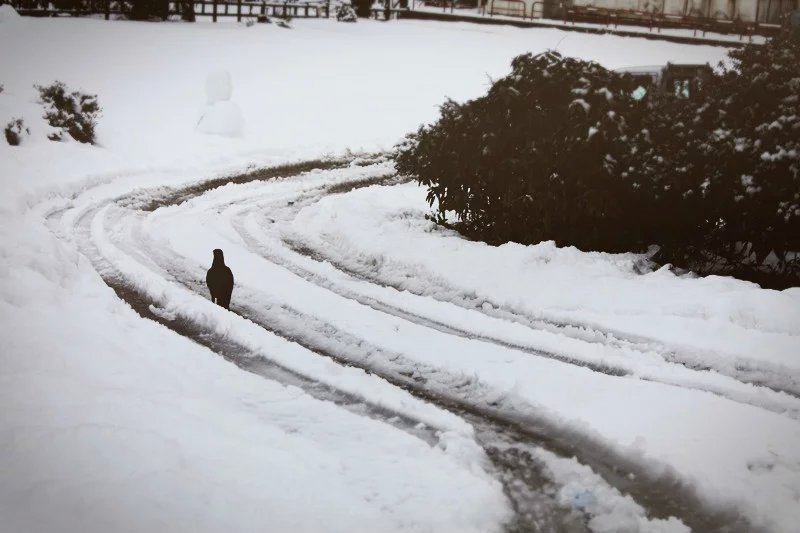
{"type": "Point", "coordinates": [220, 280]}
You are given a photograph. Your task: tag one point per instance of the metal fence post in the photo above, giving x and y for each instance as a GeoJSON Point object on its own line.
{"type": "Point", "coordinates": [214, 12]}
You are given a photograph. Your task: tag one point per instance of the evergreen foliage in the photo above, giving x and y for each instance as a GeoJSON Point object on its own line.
{"type": "Point", "coordinates": [560, 150]}
{"type": "Point", "coordinates": [74, 114]}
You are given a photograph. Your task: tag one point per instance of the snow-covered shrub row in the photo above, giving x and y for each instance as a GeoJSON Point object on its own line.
{"type": "Point", "coordinates": [560, 150]}
{"type": "Point", "coordinates": [74, 114]}
{"type": "Point", "coordinates": [15, 131]}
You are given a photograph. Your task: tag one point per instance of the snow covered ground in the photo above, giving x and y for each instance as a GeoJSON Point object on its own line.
{"type": "Point", "coordinates": [115, 423]}
{"type": "Point", "coordinates": [674, 404]}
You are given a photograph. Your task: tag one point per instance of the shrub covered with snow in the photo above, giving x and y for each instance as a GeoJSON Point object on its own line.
{"type": "Point", "coordinates": [346, 13]}
{"type": "Point", "coordinates": [74, 114]}
{"type": "Point", "coordinates": [15, 131]}
{"type": "Point", "coordinates": [535, 159]}
{"type": "Point", "coordinates": [721, 173]}
{"type": "Point", "coordinates": [560, 150]}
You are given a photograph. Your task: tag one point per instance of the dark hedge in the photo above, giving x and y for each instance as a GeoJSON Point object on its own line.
{"type": "Point", "coordinates": [561, 150]}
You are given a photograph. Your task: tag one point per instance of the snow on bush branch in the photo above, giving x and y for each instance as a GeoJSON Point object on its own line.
{"type": "Point", "coordinates": [561, 150]}
{"type": "Point", "coordinates": [74, 114]}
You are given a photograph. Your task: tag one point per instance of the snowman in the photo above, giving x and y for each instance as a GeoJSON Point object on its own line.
{"type": "Point", "coordinates": [221, 115]}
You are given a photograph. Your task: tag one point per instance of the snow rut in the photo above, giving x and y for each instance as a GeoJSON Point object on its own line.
{"type": "Point", "coordinates": [121, 236]}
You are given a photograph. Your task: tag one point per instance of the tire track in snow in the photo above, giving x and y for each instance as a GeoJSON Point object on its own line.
{"type": "Point", "coordinates": [787, 406]}
{"type": "Point", "coordinates": [777, 381]}
{"type": "Point", "coordinates": [662, 495]}
{"type": "Point", "coordinates": [763, 396]}
{"type": "Point", "coordinates": [576, 330]}
{"type": "Point", "coordinates": [297, 330]}
{"type": "Point", "coordinates": [495, 421]}
{"type": "Point", "coordinates": [524, 478]}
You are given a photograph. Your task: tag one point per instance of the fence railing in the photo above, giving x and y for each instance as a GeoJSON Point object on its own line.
{"type": "Point", "coordinates": [654, 20]}
{"type": "Point", "coordinates": [241, 9]}
{"type": "Point", "coordinates": [511, 8]}
{"type": "Point", "coordinates": [548, 9]}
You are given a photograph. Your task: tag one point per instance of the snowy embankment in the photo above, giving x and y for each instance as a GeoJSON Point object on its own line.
{"type": "Point", "coordinates": [110, 422]}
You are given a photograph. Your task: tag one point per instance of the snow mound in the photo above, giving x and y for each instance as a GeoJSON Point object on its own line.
{"type": "Point", "coordinates": [219, 87]}
{"type": "Point", "coordinates": [222, 118]}
{"type": "Point", "coordinates": [8, 14]}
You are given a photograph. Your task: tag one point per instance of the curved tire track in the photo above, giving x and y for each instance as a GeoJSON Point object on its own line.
{"type": "Point", "coordinates": [494, 422]}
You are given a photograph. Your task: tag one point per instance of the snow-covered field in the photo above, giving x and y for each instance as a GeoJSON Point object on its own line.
{"type": "Point", "coordinates": [681, 392]}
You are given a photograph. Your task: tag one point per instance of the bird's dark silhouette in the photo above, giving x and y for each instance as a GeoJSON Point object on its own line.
{"type": "Point", "coordinates": [220, 280]}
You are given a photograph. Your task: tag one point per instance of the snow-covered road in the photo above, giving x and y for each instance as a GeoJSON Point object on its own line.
{"type": "Point", "coordinates": [521, 383]}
